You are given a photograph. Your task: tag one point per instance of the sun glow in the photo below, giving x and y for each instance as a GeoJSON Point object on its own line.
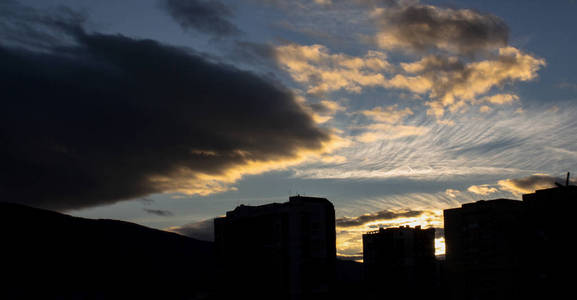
{"type": "Point", "coordinates": [349, 239]}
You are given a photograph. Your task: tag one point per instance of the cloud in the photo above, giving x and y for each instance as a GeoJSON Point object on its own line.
{"type": "Point", "coordinates": [158, 212]}
{"type": "Point", "coordinates": [206, 16]}
{"type": "Point", "coordinates": [419, 27]}
{"type": "Point", "coordinates": [375, 217]}
{"type": "Point", "coordinates": [482, 190]}
{"type": "Point", "coordinates": [452, 193]}
{"type": "Point", "coordinates": [379, 132]}
{"type": "Point", "coordinates": [203, 230]}
{"type": "Point", "coordinates": [529, 184]}
{"type": "Point", "coordinates": [324, 72]}
{"type": "Point", "coordinates": [465, 55]}
{"type": "Point", "coordinates": [482, 149]}
{"type": "Point", "coordinates": [321, 111]}
{"type": "Point", "coordinates": [23, 26]}
{"type": "Point", "coordinates": [114, 118]}
{"type": "Point", "coordinates": [386, 125]}
{"type": "Point", "coordinates": [351, 229]}
{"type": "Point", "coordinates": [501, 99]}
{"type": "Point", "coordinates": [390, 114]}
{"type": "Point", "coordinates": [452, 83]}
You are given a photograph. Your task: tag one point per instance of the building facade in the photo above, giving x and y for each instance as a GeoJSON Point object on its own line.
{"type": "Point", "coordinates": [279, 250]}
{"type": "Point", "coordinates": [549, 252]}
{"type": "Point", "coordinates": [483, 245]}
{"type": "Point", "coordinates": [510, 249]}
{"type": "Point", "coordinates": [401, 261]}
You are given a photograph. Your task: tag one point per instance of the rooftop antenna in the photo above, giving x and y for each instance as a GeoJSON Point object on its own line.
{"type": "Point", "coordinates": [566, 181]}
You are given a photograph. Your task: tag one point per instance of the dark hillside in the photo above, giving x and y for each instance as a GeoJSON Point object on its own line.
{"type": "Point", "coordinates": [51, 255]}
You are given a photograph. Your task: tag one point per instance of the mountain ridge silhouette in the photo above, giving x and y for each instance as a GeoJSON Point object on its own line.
{"type": "Point", "coordinates": [57, 256]}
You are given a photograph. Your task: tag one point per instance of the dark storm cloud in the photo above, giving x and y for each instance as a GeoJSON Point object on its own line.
{"type": "Point", "coordinates": [158, 212]}
{"type": "Point", "coordinates": [113, 118]}
{"type": "Point", "coordinates": [203, 230]}
{"type": "Point", "coordinates": [423, 27]}
{"type": "Point", "coordinates": [378, 216]}
{"type": "Point", "coordinates": [207, 16]}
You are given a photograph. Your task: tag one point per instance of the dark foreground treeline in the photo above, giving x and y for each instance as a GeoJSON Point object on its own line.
{"type": "Point", "coordinates": [48, 255]}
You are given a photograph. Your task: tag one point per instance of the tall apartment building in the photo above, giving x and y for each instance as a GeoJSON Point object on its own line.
{"type": "Point", "coordinates": [510, 249]}
{"type": "Point", "coordinates": [279, 250]}
{"type": "Point", "coordinates": [483, 243]}
{"type": "Point", "coordinates": [400, 262]}
{"type": "Point", "coordinates": [549, 253]}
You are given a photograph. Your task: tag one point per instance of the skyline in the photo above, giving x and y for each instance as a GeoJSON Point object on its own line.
{"type": "Point", "coordinates": [392, 110]}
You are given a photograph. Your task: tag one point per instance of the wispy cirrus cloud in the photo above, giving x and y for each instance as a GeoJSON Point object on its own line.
{"type": "Point", "coordinates": [386, 124]}
{"type": "Point", "coordinates": [501, 143]}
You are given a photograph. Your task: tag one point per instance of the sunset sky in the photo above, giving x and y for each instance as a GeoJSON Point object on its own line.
{"type": "Point", "coordinates": [168, 113]}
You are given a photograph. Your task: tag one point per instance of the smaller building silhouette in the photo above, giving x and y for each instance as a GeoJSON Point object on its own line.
{"type": "Point", "coordinates": [400, 262]}
{"type": "Point", "coordinates": [279, 250]}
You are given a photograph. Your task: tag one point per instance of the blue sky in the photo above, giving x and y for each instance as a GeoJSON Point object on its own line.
{"type": "Point", "coordinates": [475, 100]}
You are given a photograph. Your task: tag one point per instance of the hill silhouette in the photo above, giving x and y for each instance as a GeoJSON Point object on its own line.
{"type": "Point", "coordinates": [49, 255]}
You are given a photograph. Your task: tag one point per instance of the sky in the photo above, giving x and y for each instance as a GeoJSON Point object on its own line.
{"type": "Point", "coordinates": [168, 113]}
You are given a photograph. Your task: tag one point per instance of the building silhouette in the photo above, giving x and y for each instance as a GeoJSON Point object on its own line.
{"type": "Point", "coordinates": [483, 244]}
{"type": "Point", "coordinates": [279, 250]}
{"type": "Point", "coordinates": [400, 262]}
{"type": "Point", "coordinates": [503, 249]}
{"type": "Point", "coordinates": [550, 228]}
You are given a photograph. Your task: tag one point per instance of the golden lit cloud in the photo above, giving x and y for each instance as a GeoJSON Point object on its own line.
{"type": "Point", "coordinates": [193, 182]}
{"type": "Point", "coordinates": [322, 71]}
{"type": "Point", "coordinates": [529, 184]}
{"type": "Point", "coordinates": [452, 193]}
{"type": "Point", "coordinates": [485, 109]}
{"type": "Point", "coordinates": [388, 114]}
{"type": "Point", "coordinates": [450, 82]}
{"type": "Point", "coordinates": [501, 99]}
{"type": "Point", "coordinates": [482, 190]}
